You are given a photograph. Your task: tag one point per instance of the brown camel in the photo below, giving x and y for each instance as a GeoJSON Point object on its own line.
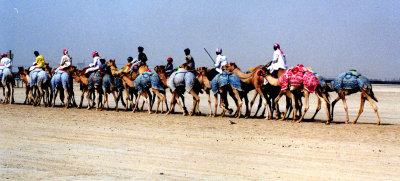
{"type": "Point", "coordinates": [251, 81]}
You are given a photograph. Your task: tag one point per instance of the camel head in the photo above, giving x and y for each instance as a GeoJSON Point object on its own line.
{"type": "Point", "coordinates": [111, 63]}
{"type": "Point", "coordinates": [229, 67]}
{"type": "Point", "coordinates": [159, 69]}
{"type": "Point", "coordinates": [202, 70]}
{"type": "Point", "coordinates": [21, 70]}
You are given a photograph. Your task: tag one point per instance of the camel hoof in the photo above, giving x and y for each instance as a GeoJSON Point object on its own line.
{"type": "Point", "coordinates": [167, 113]}
{"type": "Point", "coordinates": [327, 123]}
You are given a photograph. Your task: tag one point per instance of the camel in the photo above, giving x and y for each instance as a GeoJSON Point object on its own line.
{"type": "Point", "coordinates": [42, 86]}
{"type": "Point", "coordinates": [143, 83]}
{"type": "Point", "coordinates": [204, 76]}
{"type": "Point", "coordinates": [79, 77]}
{"type": "Point", "coordinates": [349, 83]}
{"type": "Point", "coordinates": [8, 83]}
{"type": "Point", "coordinates": [61, 82]}
{"type": "Point", "coordinates": [24, 75]}
{"type": "Point", "coordinates": [127, 78]}
{"type": "Point", "coordinates": [179, 82]}
{"type": "Point", "coordinates": [303, 87]}
{"type": "Point", "coordinates": [251, 81]}
{"type": "Point", "coordinates": [107, 85]}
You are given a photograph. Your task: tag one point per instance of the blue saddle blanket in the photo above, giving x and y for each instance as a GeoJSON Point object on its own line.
{"type": "Point", "coordinates": [225, 78]}
{"type": "Point", "coordinates": [146, 80]}
{"type": "Point", "coordinates": [350, 80]}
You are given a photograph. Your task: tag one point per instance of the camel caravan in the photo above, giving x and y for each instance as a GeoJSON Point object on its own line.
{"type": "Point", "coordinates": [135, 82]}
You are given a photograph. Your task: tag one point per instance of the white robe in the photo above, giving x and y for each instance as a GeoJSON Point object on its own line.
{"type": "Point", "coordinates": [220, 61]}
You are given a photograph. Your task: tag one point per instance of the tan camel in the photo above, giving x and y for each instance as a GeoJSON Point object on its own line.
{"type": "Point", "coordinates": [295, 92]}
{"type": "Point", "coordinates": [79, 77]}
{"type": "Point", "coordinates": [43, 90]}
{"type": "Point", "coordinates": [8, 84]}
{"type": "Point", "coordinates": [366, 94]}
{"type": "Point", "coordinates": [59, 88]}
{"type": "Point", "coordinates": [179, 91]}
{"type": "Point", "coordinates": [24, 76]}
{"type": "Point", "coordinates": [127, 78]}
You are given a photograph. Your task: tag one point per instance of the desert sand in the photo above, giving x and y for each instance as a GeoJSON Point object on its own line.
{"type": "Point", "coordinates": [78, 144]}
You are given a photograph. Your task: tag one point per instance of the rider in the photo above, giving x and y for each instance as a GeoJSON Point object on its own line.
{"type": "Point", "coordinates": [142, 56]}
{"type": "Point", "coordinates": [36, 67]}
{"type": "Point", "coordinates": [220, 60]}
{"type": "Point", "coordinates": [95, 66]}
{"type": "Point", "coordinates": [66, 61]}
{"type": "Point", "coordinates": [170, 67]}
{"type": "Point", "coordinates": [278, 61]}
{"type": "Point", "coordinates": [5, 63]}
{"type": "Point", "coordinates": [141, 60]}
{"type": "Point", "coordinates": [189, 60]}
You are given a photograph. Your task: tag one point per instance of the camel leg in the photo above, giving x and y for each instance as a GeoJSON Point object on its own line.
{"type": "Point", "coordinates": [361, 108]}
{"type": "Point", "coordinates": [294, 107]}
{"type": "Point", "coordinates": [105, 95]}
{"type": "Point", "coordinates": [182, 106]}
{"type": "Point", "coordinates": [276, 103]}
{"type": "Point", "coordinates": [216, 105]}
{"type": "Point", "coordinates": [222, 104]}
{"type": "Point", "coordinates": [31, 99]}
{"type": "Point", "coordinates": [239, 104]}
{"type": "Point", "coordinates": [258, 108]}
{"type": "Point", "coordinates": [165, 100]}
{"type": "Point", "coordinates": [87, 98]}
{"type": "Point", "coordinates": [333, 105]}
{"type": "Point", "coordinates": [341, 94]}
{"type": "Point", "coordinates": [252, 103]}
{"type": "Point", "coordinates": [40, 95]}
{"type": "Point", "coordinates": [126, 91]}
{"type": "Point", "coordinates": [327, 106]}
{"type": "Point", "coordinates": [160, 99]}
{"type": "Point", "coordinates": [318, 108]}
{"type": "Point", "coordinates": [196, 102]}
{"type": "Point", "coordinates": [98, 100]}
{"type": "Point", "coordinates": [265, 102]}
{"type": "Point", "coordinates": [116, 100]}
{"type": "Point", "coordinates": [371, 101]}
{"type": "Point", "coordinates": [148, 100]}
{"type": "Point", "coordinates": [209, 102]}
{"type": "Point", "coordinates": [67, 96]}
{"type": "Point", "coordinates": [54, 97]}
{"type": "Point", "coordinates": [137, 101]}
{"type": "Point", "coordinates": [172, 103]}
{"type": "Point", "coordinates": [27, 88]}
{"type": "Point", "coordinates": [306, 102]}
{"type": "Point", "coordinates": [246, 101]}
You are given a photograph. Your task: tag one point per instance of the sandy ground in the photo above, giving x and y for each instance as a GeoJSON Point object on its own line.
{"type": "Point", "coordinates": [77, 144]}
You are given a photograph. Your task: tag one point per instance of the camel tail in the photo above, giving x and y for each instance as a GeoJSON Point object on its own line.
{"type": "Point", "coordinates": [370, 93]}
{"type": "Point", "coordinates": [373, 96]}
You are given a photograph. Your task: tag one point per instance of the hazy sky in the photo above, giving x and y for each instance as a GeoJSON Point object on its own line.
{"type": "Point", "coordinates": [329, 36]}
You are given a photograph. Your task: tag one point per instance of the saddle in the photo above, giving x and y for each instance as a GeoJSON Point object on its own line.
{"type": "Point", "coordinates": [299, 75]}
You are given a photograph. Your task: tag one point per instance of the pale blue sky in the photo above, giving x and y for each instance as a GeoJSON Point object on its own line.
{"type": "Point", "coordinates": [329, 36]}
